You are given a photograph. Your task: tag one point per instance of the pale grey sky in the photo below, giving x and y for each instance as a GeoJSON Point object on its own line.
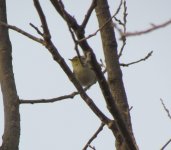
{"type": "Point", "coordinates": [67, 125]}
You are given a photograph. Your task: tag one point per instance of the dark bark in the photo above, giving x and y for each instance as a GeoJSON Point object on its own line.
{"type": "Point", "coordinates": [113, 68]}
{"type": "Point", "coordinates": [10, 99]}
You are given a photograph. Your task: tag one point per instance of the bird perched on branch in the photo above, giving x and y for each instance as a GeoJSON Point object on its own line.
{"type": "Point", "coordinates": [82, 70]}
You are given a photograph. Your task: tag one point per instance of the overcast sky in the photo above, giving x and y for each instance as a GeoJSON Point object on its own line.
{"type": "Point", "coordinates": [67, 125]}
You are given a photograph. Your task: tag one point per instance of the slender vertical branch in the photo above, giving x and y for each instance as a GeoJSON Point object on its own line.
{"type": "Point", "coordinates": [46, 34]}
{"type": "Point", "coordinates": [11, 133]}
{"type": "Point", "coordinates": [123, 141]}
{"type": "Point", "coordinates": [87, 16]}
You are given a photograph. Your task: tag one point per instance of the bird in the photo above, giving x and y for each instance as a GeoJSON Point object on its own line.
{"type": "Point", "coordinates": [83, 71]}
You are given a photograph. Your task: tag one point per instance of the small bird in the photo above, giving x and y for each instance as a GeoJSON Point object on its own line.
{"type": "Point", "coordinates": [82, 70]}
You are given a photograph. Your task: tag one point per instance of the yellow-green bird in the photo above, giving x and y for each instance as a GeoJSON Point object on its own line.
{"type": "Point", "coordinates": [82, 70]}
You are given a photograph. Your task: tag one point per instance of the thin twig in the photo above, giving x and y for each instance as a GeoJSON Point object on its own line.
{"type": "Point", "coordinates": [92, 147]}
{"type": "Point", "coordinates": [52, 100]}
{"type": "Point", "coordinates": [125, 15]}
{"type": "Point", "coordinates": [36, 28]}
{"type": "Point", "coordinates": [88, 14]}
{"type": "Point", "coordinates": [167, 143]}
{"type": "Point", "coordinates": [94, 136]}
{"type": "Point", "coordinates": [130, 108]}
{"type": "Point", "coordinates": [46, 33]}
{"type": "Point", "coordinates": [122, 47]}
{"type": "Point", "coordinates": [75, 41]}
{"type": "Point", "coordinates": [96, 133]}
{"type": "Point", "coordinates": [38, 101]}
{"type": "Point", "coordinates": [22, 32]}
{"type": "Point", "coordinates": [119, 8]}
{"type": "Point", "coordinates": [124, 29]}
{"type": "Point", "coordinates": [94, 34]}
{"type": "Point", "coordinates": [152, 28]}
{"type": "Point", "coordinates": [165, 108]}
{"type": "Point", "coordinates": [135, 62]}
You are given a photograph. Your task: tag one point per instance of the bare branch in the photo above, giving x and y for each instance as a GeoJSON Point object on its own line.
{"type": "Point", "coordinates": [165, 108]}
{"type": "Point", "coordinates": [36, 28]}
{"type": "Point", "coordinates": [152, 28]}
{"type": "Point", "coordinates": [89, 12]}
{"type": "Point", "coordinates": [72, 95]}
{"type": "Point", "coordinates": [130, 108]}
{"type": "Point", "coordinates": [96, 133]}
{"type": "Point", "coordinates": [22, 32]}
{"type": "Point", "coordinates": [119, 8]}
{"type": "Point", "coordinates": [125, 15]}
{"type": "Point", "coordinates": [11, 122]}
{"type": "Point", "coordinates": [94, 136]}
{"type": "Point", "coordinates": [46, 34]}
{"type": "Point", "coordinates": [75, 41]}
{"type": "Point", "coordinates": [122, 47]}
{"type": "Point", "coordinates": [92, 147]}
{"type": "Point", "coordinates": [123, 38]}
{"type": "Point", "coordinates": [94, 34]}
{"type": "Point", "coordinates": [135, 62]}
{"type": "Point", "coordinates": [167, 143]}
{"type": "Point", "coordinates": [64, 14]}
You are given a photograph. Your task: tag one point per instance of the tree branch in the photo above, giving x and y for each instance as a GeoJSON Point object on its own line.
{"type": "Point", "coordinates": [100, 28]}
{"type": "Point", "coordinates": [94, 34]}
{"type": "Point", "coordinates": [165, 145]}
{"type": "Point", "coordinates": [64, 14]}
{"type": "Point", "coordinates": [165, 108]}
{"type": "Point", "coordinates": [75, 41]}
{"type": "Point", "coordinates": [38, 101]}
{"type": "Point", "coordinates": [94, 136]}
{"type": "Point", "coordinates": [124, 29]}
{"type": "Point", "coordinates": [11, 134]}
{"type": "Point", "coordinates": [72, 95]}
{"type": "Point", "coordinates": [121, 116]}
{"type": "Point", "coordinates": [46, 34]}
{"type": "Point", "coordinates": [22, 32]}
{"type": "Point", "coordinates": [152, 28]}
{"type": "Point", "coordinates": [89, 12]}
{"type": "Point", "coordinates": [36, 28]}
{"type": "Point", "coordinates": [135, 62]}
